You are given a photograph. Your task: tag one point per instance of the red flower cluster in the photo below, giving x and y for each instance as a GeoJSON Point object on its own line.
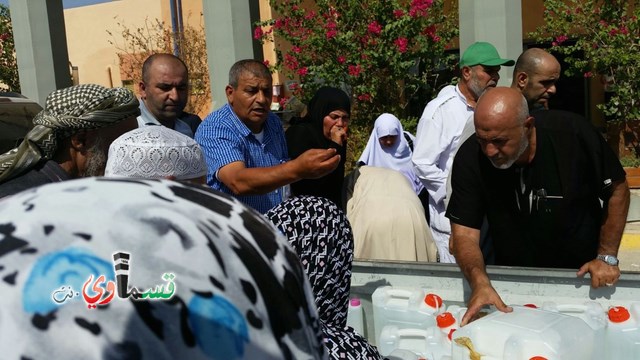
{"type": "Point", "coordinates": [310, 15]}
{"type": "Point", "coordinates": [331, 30]}
{"type": "Point", "coordinates": [401, 43]}
{"type": "Point", "coordinates": [374, 28]}
{"type": "Point", "coordinates": [258, 33]}
{"type": "Point", "coordinates": [420, 7]}
{"type": "Point", "coordinates": [354, 70]}
{"type": "Point", "coordinates": [283, 102]}
{"type": "Point", "coordinates": [291, 62]}
{"type": "Point", "coordinates": [622, 30]}
{"type": "Point", "coordinates": [398, 13]}
{"type": "Point", "coordinates": [430, 31]}
{"type": "Point", "coordinates": [559, 40]}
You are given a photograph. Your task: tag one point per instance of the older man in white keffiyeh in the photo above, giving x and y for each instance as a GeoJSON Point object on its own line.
{"type": "Point", "coordinates": [70, 138]}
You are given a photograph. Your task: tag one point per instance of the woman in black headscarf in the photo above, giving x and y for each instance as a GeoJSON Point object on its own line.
{"type": "Point", "coordinates": [325, 126]}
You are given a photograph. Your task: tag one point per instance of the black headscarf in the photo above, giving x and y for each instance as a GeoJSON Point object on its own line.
{"type": "Point", "coordinates": [307, 133]}
{"type": "Point", "coordinates": [323, 102]}
{"type": "Point", "coordinates": [326, 100]}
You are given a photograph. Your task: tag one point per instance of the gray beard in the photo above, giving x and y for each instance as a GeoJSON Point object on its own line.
{"type": "Point", "coordinates": [476, 89]}
{"type": "Point", "coordinates": [523, 146]}
{"type": "Point", "coordinates": [96, 160]}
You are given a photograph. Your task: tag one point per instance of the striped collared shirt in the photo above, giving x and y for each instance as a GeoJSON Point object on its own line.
{"type": "Point", "coordinates": [224, 139]}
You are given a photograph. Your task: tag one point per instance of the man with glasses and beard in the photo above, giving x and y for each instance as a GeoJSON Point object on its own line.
{"type": "Point", "coordinates": [552, 190]}
{"type": "Point", "coordinates": [440, 130]}
{"type": "Point", "coordinates": [70, 138]}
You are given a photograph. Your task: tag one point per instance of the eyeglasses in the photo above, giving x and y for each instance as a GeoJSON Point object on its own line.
{"type": "Point", "coordinates": [336, 117]}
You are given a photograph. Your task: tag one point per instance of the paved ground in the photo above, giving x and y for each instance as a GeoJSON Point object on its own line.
{"type": "Point", "coordinates": [630, 247]}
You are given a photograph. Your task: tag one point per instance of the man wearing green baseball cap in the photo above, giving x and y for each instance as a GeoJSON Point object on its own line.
{"type": "Point", "coordinates": [440, 132]}
{"type": "Point", "coordinates": [483, 53]}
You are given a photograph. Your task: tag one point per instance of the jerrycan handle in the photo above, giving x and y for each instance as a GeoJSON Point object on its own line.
{"type": "Point", "coordinates": [412, 333]}
{"type": "Point", "coordinates": [399, 294]}
{"type": "Point", "coordinates": [572, 308]}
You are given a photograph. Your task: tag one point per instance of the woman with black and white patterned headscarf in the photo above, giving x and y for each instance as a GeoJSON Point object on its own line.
{"type": "Point", "coordinates": [212, 278]}
{"type": "Point", "coordinates": [320, 234]}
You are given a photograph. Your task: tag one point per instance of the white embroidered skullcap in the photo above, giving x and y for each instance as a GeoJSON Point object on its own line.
{"type": "Point", "coordinates": [155, 152]}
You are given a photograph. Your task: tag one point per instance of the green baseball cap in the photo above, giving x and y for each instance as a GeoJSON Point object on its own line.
{"type": "Point", "coordinates": [483, 53]}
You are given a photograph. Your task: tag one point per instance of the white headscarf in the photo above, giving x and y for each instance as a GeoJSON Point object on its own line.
{"type": "Point", "coordinates": [235, 289]}
{"type": "Point", "coordinates": [396, 157]}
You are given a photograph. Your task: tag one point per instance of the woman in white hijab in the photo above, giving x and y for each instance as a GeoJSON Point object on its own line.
{"type": "Point", "coordinates": [388, 148]}
{"type": "Point", "coordinates": [380, 185]}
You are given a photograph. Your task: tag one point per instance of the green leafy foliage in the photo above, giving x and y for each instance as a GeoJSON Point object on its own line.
{"type": "Point", "coordinates": [630, 161]}
{"type": "Point", "coordinates": [384, 53]}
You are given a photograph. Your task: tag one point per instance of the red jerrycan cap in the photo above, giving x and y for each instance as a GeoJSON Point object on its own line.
{"type": "Point", "coordinates": [538, 358]}
{"type": "Point", "coordinates": [433, 301]}
{"type": "Point", "coordinates": [618, 314]}
{"type": "Point", "coordinates": [445, 319]}
{"type": "Point", "coordinates": [533, 306]}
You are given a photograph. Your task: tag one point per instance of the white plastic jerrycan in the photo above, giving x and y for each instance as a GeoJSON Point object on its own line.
{"type": "Point", "coordinates": [526, 333]}
{"type": "Point", "coordinates": [623, 332]}
{"type": "Point", "coordinates": [429, 343]}
{"type": "Point", "coordinates": [405, 308]}
{"type": "Point", "coordinates": [355, 316]}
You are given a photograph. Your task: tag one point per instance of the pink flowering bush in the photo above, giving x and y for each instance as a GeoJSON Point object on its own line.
{"type": "Point", "coordinates": [607, 44]}
{"type": "Point", "coordinates": [382, 52]}
{"type": "Point", "coordinates": [9, 80]}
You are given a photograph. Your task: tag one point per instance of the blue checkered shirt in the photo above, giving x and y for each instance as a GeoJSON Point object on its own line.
{"type": "Point", "coordinates": [224, 139]}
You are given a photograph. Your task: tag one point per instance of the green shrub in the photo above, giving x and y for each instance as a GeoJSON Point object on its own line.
{"type": "Point", "coordinates": [630, 161]}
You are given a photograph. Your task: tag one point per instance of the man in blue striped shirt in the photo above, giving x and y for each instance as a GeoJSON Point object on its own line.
{"type": "Point", "coordinates": [245, 147]}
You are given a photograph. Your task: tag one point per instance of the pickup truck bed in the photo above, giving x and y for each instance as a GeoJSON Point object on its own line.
{"type": "Point", "coordinates": [517, 286]}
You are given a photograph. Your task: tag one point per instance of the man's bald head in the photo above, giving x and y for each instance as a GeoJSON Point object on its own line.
{"type": "Point", "coordinates": [502, 104]}
{"type": "Point", "coordinates": [535, 75]}
{"type": "Point", "coordinates": [503, 126]}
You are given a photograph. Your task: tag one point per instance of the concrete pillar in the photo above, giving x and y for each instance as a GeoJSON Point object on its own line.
{"type": "Point", "coordinates": [229, 32]}
{"type": "Point", "coordinates": [41, 47]}
{"type": "Point", "coordinates": [498, 22]}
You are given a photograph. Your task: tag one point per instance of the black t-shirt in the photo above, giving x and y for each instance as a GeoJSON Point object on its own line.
{"type": "Point", "coordinates": [545, 214]}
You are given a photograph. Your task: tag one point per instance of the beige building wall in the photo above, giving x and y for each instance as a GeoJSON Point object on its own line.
{"type": "Point", "coordinates": [88, 40]}
{"type": "Point", "coordinates": [191, 11]}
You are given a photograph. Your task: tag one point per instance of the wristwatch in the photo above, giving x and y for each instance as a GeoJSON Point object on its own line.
{"type": "Point", "coordinates": [609, 259]}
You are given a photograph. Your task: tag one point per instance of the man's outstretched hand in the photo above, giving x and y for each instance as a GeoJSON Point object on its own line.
{"type": "Point", "coordinates": [481, 296]}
